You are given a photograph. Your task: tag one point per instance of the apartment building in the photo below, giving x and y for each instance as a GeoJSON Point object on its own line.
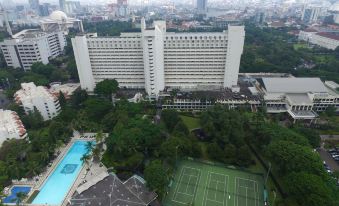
{"type": "Point", "coordinates": [32, 97]}
{"type": "Point", "coordinates": [11, 126]}
{"type": "Point", "coordinates": [155, 59]}
{"type": "Point", "coordinates": [30, 46]}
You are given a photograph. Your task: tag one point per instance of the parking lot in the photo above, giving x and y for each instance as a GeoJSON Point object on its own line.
{"type": "Point", "coordinates": [325, 156]}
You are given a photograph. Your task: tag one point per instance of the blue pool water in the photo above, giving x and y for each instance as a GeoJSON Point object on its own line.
{"type": "Point", "coordinates": [16, 189]}
{"type": "Point", "coordinates": [60, 181]}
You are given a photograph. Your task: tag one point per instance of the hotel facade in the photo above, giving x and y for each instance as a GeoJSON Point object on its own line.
{"type": "Point", "coordinates": [154, 59]}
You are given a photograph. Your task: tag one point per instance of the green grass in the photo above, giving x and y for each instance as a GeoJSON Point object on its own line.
{"type": "Point", "coordinates": [190, 122]}
{"type": "Point", "coordinates": [300, 46]}
{"type": "Point", "coordinates": [324, 58]}
{"type": "Point", "coordinates": [202, 184]}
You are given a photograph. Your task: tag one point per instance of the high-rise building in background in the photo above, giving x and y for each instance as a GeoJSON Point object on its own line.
{"type": "Point", "coordinates": [71, 7]}
{"type": "Point", "coordinates": [260, 17]}
{"type": "Point", "coordinates": [155, 59]}
{"type": "Point", "coordinates": [34, 5]}
{"type": "Point", "coordinates": [122, 8]}
{"type": "Point", "coordinates": [44, 9]}
{"type": "Point", "coordinates": [62, 5]}
{"type": "Point", "coordinates": [202, 5]}
{"type": "Point", "coordinates": [310, 14]}
{"type": "Point", "coordinates": [30, 46]}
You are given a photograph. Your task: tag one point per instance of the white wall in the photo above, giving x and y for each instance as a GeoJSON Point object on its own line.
{"type": "Point", "coordinates": [83, 63]}
{"type": "Point", "coordinates": [235, 45]}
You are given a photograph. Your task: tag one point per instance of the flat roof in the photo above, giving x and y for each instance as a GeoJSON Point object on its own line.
{"type": "Point", "coordinates": [299, 99]}
{"type": "Point", "coordinates": [294, 85]}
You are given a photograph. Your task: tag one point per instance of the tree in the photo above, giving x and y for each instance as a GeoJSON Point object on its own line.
{"type": "Point", "coordinates": [107, 87]}
{"type": "Point", "coordinates": [330, 111]}
{"type": "Point", "coordinates": [156, 177]}
{"type": "Point", "coordinates": [89, 147]}
{"type": "Point", "coordinates": [97, 108]}
{"type": "Point", "coordinates": [78, 97]}
{"type": "Point", "coordinates": [230, 153]}
{"type": "Point", "coordinates": [170, 118]}
{"type": "Point", "coordinates": [215, 152]}
{"type": "Point", "coordinates": [86, 159]}
{"type": "Point", "coordinates": [290, 157]}
{"type": "Point", "coordinates": [244, 156]}
{"type": "Point", "coordinates": [308, 189]}
{"type": "Point", "coordinates": [180, 129]}
{"type": "Point", "coordinates": [20, 196]}
{"type": "Point", "coordinates": [33, 120]}
{"type": "Point", "coordinates": [62, 100]}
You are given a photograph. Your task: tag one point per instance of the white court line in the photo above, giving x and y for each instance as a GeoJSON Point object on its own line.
{"type": "Point", "coordinates": [255, 189]}
{"type": "Point", "coordinates": [196, 186]}
{"type": "Point", "coordinates": [236, 191]}
{"type": "Point", "coordinates": [176, 188]}
{"type": "Point", "coordinates": [255, 182]}
{"type": "Point", "coordinates": [246, 197]}
{"type": "Point", "coordinates": [189, 179]}
{"type": "Point", "coordinates": [183, 173]}
{"type": "Point", "coordinates": [205, 197]}
{"type": "Point", "coordinates": [217, 182]}
{"type": "Point", "coordinates": [184, 193]}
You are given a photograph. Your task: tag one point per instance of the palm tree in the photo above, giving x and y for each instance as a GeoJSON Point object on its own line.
{"type": "Point", "coordinates": [96, 154]}
{"type": "Point", "coordinates": [20, 196]}
{"type": "Point", "coordinates": [89, 147]}
{"type": "Point", "coordinates": [85, 159]}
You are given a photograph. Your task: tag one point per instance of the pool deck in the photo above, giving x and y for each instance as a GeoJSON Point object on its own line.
{"type": "Point", "coordinates": [83, 174]}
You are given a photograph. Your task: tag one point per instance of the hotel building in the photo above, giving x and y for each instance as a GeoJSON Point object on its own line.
{"type": "Point", "coordinates": [32, 97]}
{"type": "Point", "coordinates": [30, 46]}
{"type": "Point", "coordinates": [155, 59]}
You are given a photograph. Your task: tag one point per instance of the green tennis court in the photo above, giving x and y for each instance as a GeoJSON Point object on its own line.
{"type": "Point", "coordinates": [201, 184]}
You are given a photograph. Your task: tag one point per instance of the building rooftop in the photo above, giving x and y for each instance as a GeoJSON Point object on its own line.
{"type": "Point", "coordinates": [10, 126]}
{"type": "Point", "coordinates": [111, 191]}
{"type": "Point", "coordinates": [294, 85]}
{"type": "Point", "coordinates": [30, 90]}
{"type": "Point", "coordinates": [299, 99]}
{"type": "Point", "coordinates": [330, 35]}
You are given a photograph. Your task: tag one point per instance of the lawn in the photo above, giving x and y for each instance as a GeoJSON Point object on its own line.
{"type": "Point", "coordinates": [203, 184]}
{"type": "Point", "coordinates": [300, 46]}
{"type": "Point", "coordinates": [190, 122]}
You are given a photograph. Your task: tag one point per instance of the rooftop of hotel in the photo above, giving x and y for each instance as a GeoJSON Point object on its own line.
{"type": "Point", "coordinates": [29, 33]}
{"type": "Point", "coordinates": [294, 85]}
{"type": "Point", "coordinates": [30, 90]}
{"type": "Point", "coordinates": [111, 191]}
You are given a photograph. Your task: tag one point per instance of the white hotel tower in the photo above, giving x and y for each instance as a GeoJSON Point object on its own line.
{"type": "Point", "coordinates": [155, 59]}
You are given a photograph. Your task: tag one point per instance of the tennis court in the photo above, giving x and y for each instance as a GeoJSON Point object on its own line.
{"type": "Point", "coordinates": [201, 184]}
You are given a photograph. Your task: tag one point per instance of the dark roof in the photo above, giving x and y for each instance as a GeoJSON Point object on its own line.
{"type": "Point", "coordinates": [330, 35]}
{"type": "Point", "coordinates": [310, 30]}
{"type": "Point", "coordinates": [111, 191]}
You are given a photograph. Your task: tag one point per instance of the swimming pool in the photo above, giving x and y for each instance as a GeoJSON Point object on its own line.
{"type": "Point", "coordinates": [60, 181]}
{"type": "Point", "coordinates": [15, 190]}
